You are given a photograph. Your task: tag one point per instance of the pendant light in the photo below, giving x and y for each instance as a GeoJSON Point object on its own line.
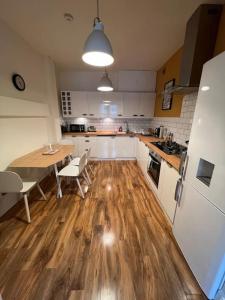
{"type": "Point", "coordinates": [97, 49]}
{"type": "Point", "coordinates": [105, 84]}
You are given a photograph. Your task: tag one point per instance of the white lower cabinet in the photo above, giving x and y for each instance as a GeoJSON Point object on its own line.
{"type": "Point", "coordinates": [106, 147]}
{"type": "Point", "coordinates": [85, 143]}
{"type": "Point", "coordinates": [143, 157]}
{"type": "Point", "coordinates": [166, 189]}
{"type": "Point", "coordinates": [125, 147]}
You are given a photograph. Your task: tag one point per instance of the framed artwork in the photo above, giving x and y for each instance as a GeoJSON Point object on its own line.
{"type": "Point", "coordinates": [168, 97]}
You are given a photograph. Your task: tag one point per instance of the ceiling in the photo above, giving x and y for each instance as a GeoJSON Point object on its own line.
{"type": "Point", "coordinates": [143, 33]}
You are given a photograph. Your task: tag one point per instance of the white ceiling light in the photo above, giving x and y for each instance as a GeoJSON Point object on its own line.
{"type": "Point", "coordinates": [105, 84]}
{"type": "Point", "coordinates": [97, 49]}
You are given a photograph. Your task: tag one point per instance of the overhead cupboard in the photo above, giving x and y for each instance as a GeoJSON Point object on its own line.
{"type": "Point", "coordinates": [111, 104]}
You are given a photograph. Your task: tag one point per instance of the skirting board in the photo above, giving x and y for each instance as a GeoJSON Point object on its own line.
{"type": "Point", "coordinates": [14, 107]}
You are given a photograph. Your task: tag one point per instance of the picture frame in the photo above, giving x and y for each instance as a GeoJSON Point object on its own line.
{"type": "Point", "coordinates": [168, 97]}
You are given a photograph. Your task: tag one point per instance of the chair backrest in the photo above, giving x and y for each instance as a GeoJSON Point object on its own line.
{"type": "Point", "coordinates": [10, 182]}
{"type": "Point", "coordinates": [83, 161]}
{"type": "Point", "coordinates": [88, 153]}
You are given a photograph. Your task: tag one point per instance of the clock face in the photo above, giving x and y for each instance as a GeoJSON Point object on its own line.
{"type": "Point", "coordinates": [18, 82]}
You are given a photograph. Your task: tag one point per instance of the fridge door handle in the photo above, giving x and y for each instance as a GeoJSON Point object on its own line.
{"type": "Point", "coordinates": [177, 189]}
{"type": "Point", "coordinates": [185, 167]}
{"type": "Point", "coordinates": [180, 194]}
{"type": "Point", "coordinates": [182, 162]}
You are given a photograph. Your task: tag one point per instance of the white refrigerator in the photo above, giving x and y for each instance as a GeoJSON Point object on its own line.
{"type": "Point", "coordinates": [199, 225]}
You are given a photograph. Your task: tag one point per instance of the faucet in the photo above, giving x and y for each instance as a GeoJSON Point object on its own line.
{"type": "Point", "coordinates": [127, 127]}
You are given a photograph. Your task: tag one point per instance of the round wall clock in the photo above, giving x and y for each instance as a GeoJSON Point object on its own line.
{"type": "Point", "coordinates": [18, 82]}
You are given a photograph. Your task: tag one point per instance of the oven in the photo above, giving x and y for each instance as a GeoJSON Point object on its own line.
{"type": "Point", "coordinates": [154, 166]}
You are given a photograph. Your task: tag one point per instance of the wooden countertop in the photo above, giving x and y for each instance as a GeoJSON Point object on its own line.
{"type": "Point", "coordinates": [98, 133]}
{"type": "Point", "coordinates": [171, 159]}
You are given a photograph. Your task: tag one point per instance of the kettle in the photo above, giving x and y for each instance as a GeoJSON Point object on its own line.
{"type": "Point", "coordinates": [157, 131]}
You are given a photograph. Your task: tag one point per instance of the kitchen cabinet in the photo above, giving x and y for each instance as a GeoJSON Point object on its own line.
{"type": "Point", "coordinates": [166, 190]}
{"type": "Point", "coordinates": [143, 157]}
{"type": "Point", "coordinates": [79, 104]}
{"type": "Point", "coordinates": [131, 104]}
{"type": "Point", "coordinates": [106, 147]}
{"type": "Point", "coordinates": [147, 105]}
{"type": "Point", "coordinates": [96, 106]}
{"type": "Point", "coordinates": [115, 104]}
{"type": "Point", "coordinates": [87, 142]}
{"type": "Point", "coordinates": [139, 105]}
{"type": "Point", "coordinates": [110, 104]}
{"type": "Point", "coordinates": [125, 147]}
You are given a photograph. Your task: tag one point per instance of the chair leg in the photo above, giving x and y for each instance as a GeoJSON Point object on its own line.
{"type": "Point", "coordinates": [59, 192]}
{"type": "Point", "coordinates": [80, 188]}
{"type": "Point", "coordinates": [27, 208]}
{"type": "Point", "coordinates": [41, 192]}
{"type": "Point", "coordinates": [92, 172]}
{"type": "Point", "coordinates": [85, 178]}
{"type": "Point", "coordinates": [89, 179]}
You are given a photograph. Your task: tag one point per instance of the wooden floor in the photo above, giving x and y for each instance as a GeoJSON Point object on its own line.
{"type": "Point", "coordinates": [115, 244]}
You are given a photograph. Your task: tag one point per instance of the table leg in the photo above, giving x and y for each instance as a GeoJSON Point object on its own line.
{"type": "Point", "coordinates": [59, 191]}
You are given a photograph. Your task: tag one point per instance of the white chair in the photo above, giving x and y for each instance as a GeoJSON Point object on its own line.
{"type": "Point", "coordinates": [74, 171]}
{"type": "Point", "coordinates": [76, 162]}
{"type": "Point", "coordinates": [11, 182]}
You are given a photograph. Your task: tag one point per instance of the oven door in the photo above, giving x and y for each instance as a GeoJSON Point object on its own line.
{"type": "Point", "coordinates": [154, 169]}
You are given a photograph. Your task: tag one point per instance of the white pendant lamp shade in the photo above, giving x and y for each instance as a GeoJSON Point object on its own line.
{"type": "Point", "coordinates": [105, 84]}
{"type": "Point", "coordinates": [97, 49]}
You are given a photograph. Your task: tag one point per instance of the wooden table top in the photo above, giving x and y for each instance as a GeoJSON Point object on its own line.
{"type": "Point", "coordinates": [36, 159]}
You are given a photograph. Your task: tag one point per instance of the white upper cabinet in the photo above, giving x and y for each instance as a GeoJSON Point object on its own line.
{"type": "Point", "coordinates": [96, 107]}
{"type": "Point", "coordinates": [139, 105]}
{"type": "Point", "coordinates": [108, 104]}
{"type": "Point", "coordinates": [136, 81]}
{"type": "Point", "coordinates": [79, 104]}
{"type": "Point", "coordinates": [147, 105]}
{"type": "Point", "coordinates": [131, 104]}
{"type": "Point", "coordinates": [114, 102]}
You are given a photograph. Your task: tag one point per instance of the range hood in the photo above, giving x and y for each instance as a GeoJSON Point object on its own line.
{"type": "Point", "coordinates": [199, 44]}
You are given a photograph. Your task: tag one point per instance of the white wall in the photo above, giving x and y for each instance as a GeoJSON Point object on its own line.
{"type": "Point", "coordinates": [122, 80]}
{"type": "Point", "coordinates": [20, 135]}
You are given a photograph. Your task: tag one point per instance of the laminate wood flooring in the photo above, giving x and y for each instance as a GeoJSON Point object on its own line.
{"type": "Point", "coordinates": [115, 244]}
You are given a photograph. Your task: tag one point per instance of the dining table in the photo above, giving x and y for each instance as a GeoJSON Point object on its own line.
{"type": "Point", "coordinates": [44, 158]}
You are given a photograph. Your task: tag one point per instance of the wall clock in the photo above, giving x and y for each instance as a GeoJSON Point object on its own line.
{"type": "Point", "coordinates": [18, 82]}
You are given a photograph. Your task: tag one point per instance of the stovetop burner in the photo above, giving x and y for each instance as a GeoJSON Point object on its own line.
{"type": "Point", "coordinates": [173, 148]}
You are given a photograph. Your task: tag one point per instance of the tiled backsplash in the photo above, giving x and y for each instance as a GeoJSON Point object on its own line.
{"type": "Point", "coordinates": [135, 125]}
{"type": "Point", "coordinates": [180, 127]}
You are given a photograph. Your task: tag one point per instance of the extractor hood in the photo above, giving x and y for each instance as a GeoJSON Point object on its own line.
{"type": "Point", "coordinates": [199, 44]}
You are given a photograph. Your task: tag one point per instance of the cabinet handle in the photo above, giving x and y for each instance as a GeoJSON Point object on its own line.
{"type": "Point", "coordinates": [91, 114]}
{"type": "Point", "coordinates": [84, 114]}
{"type": "Point", "coordinates": [135, 115]}
{"type": "Point", "coordinates": [119, 115]}
{"type": "Point", "coordinates": [87, 141]}
{"type": "Point", "coordinates": [142, 115]}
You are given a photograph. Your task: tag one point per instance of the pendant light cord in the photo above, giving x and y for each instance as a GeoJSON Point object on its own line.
{"type": "Point", "coordinates": [98, 9]}
{"type": "Point", "coordinates": [97, 19]}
